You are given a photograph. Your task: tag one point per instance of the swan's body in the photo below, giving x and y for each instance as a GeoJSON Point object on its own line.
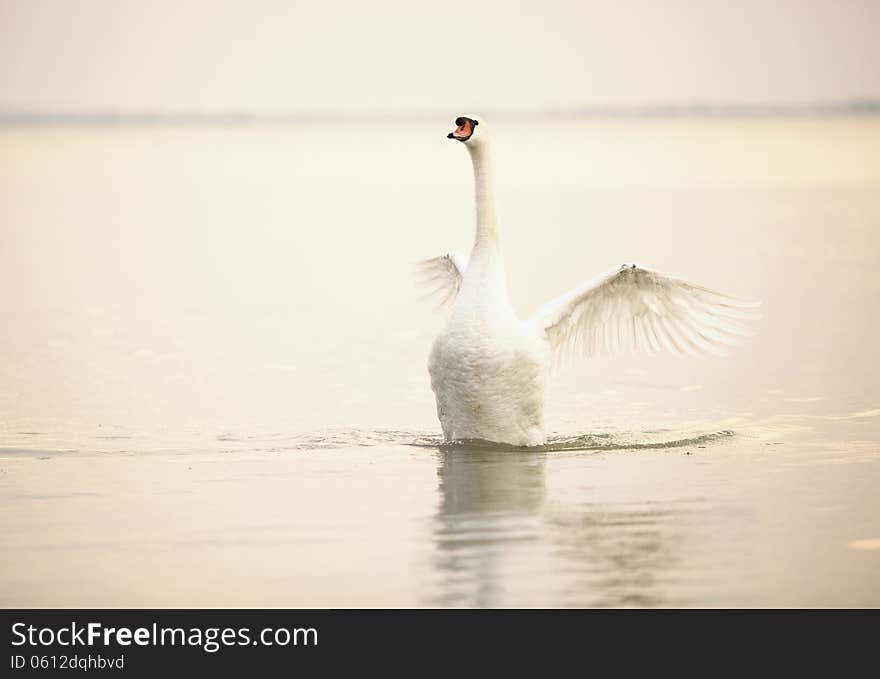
{"type": "Point", "coordinates": [489, 368]}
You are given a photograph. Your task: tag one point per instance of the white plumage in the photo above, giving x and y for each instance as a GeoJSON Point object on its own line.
{"type": "Point", "coordinates": [489, 369]}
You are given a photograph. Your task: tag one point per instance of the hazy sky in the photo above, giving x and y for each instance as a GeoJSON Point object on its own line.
{"type": "Point", "coordinates": [274, 55]}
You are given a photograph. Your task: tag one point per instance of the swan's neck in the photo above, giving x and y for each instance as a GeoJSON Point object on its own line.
{"type": "Point", "coordinates": [484, 282]}
{"type": "Point", "coordinates": [487, 229]}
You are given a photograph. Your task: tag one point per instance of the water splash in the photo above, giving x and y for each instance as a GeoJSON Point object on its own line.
{"type": "Point", "coordinates": [594, 442]}
{"type": "Point", "coordinates": [348, 438]}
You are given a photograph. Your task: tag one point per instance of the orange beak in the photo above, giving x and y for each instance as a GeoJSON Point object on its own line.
{"type": "Point", "coordinates": [463, 132]}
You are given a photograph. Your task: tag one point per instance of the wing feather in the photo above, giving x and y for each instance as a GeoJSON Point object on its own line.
{"type": "Point", "coordinates": [635, 308]}
{"type": "Point", "coordinates": [441, 276]}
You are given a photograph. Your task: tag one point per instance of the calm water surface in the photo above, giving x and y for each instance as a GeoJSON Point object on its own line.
{"type": "Point", "coordinates": [213, 388]}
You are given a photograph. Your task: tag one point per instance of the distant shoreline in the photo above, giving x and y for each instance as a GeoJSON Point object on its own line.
{"type": "Point", "coordinates": [860, 107]}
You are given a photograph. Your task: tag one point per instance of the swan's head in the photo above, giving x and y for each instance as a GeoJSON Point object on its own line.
{"type": "Point", "coordinates": [466, 130]}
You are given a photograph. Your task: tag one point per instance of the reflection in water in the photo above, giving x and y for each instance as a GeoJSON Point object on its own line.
{"type": "Point", "coordinates": [496, 528]}
{"type": "Point", "coordinates": [622, 555]}
{"type": "Point", "coordinates": [489, 503]}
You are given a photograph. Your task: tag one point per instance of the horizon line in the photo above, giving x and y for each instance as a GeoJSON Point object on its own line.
{"type": "Point", "coordinates": [24, 117]}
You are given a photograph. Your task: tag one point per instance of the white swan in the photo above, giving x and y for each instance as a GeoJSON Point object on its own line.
{"type": "Point", "coordinates": [489, 368]}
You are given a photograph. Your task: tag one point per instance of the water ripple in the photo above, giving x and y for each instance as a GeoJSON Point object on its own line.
{"type": "Point", "coordinates": [555, 443]}
{"type": "Point", "coordinates": [367, 438]}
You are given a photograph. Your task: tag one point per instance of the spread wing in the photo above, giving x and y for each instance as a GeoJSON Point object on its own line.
{"type": "Point", "coordinates": [442, 276]}
{"type": "Point", "coordinates": [635, 308]}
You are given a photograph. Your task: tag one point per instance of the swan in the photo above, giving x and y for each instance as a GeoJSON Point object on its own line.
{"type": "Point", "coordinates": [489, 368]}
